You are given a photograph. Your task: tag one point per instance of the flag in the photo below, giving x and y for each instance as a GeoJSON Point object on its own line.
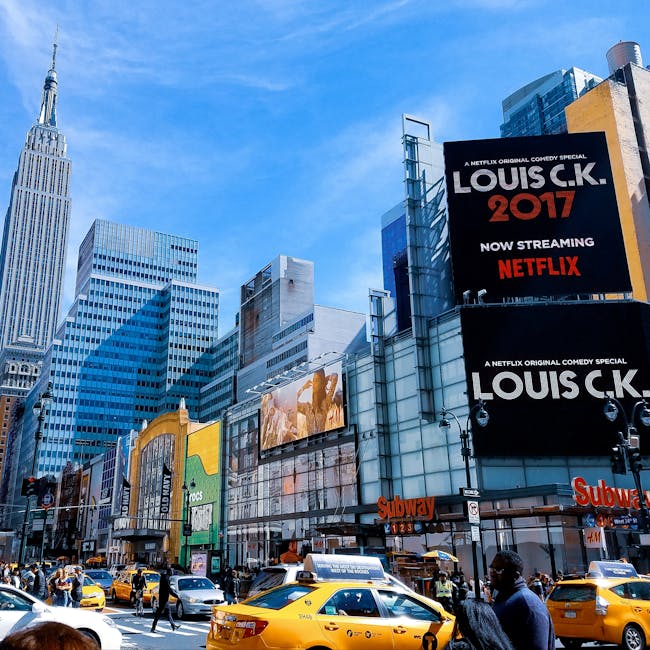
{"type": "Point", "coordinates": [165, 490]}
{"type": "Point", "coordinates": [126, 498]}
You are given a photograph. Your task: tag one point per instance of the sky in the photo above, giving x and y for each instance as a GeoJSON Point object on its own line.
{"type": "Point", "coordinates": [268, 127]}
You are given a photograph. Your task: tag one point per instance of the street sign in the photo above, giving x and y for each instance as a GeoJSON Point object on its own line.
{"type": "Point", "coordinates": [470, 492]}
{"type": "Point", "coordinates": [473, 513]}
{"type": "Point", "coordinates": [476, 533]}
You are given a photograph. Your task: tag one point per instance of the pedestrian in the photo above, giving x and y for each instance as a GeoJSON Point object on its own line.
{"type": "Point", "coordinates": [522, 614]}
{"type": "Point", "coordinates": [40, 583]}
{"type": "Point", "coordinates": [231, 586]}
{"type": "Point", "coordinates": [48, 636]}
{"type": "Point", "coordinates": [535, 584]}
{"type": "Point", "coordinates": [138, 585]}
{"type": "Point", "coordinates": [60, 587]}
{"type": "Point", "coordinates": [164, 591]}
{"type": "Point", "coordinates": [479, 627]}
{"type": "Point", "coordinates": [77, 590]}
{"type": "Point", "coordinates": [15, 578]}
{"type": "Point", "coordinates": [444, 590]}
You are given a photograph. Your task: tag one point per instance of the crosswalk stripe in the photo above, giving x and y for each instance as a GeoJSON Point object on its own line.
{"type": "Point", "coordinates": [125, 628]}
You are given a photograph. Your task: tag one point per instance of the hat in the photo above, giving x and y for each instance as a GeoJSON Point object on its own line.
{"type": "Point", "coordinates": [34, 566]}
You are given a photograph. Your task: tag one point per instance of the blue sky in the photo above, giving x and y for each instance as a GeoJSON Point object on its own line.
{"type": "Point", "coordinates": [273, 127]}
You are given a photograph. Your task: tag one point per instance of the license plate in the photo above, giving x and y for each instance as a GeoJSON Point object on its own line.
{"type": "Point", "coordinates": [569, 614]}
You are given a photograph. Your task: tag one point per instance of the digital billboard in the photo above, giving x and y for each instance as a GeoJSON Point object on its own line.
{"type": "Point", "coordinates": [545, 372]}
{"type": "Point", "coordinates": [302, 408]}
{"type": "Point", "coordinates": [534, 216]}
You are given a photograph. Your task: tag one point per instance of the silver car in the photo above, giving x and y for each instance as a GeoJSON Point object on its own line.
{"type": "Point", "coordinates": [195, 595]}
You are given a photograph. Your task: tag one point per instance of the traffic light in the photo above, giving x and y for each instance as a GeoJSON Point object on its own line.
{"type": "Point", "coordinates": [617, 460]}
{"type": "Point", "coordinates": [634, 456]}
{"type": "Point", "coordinates": [29, 487]}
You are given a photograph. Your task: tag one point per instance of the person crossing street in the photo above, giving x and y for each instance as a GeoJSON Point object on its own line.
{"type": "Point", "coordinates": [164, 591]}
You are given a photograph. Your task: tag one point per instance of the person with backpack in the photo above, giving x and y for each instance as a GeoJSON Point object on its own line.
{"type": "Point", "coordinates": [77, 591]}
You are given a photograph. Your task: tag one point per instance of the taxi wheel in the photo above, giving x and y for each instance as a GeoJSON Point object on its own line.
{"type": "Point", "coordinates": [633, 638]}
{"type": "Point", "coordinates": [571, 644]}
{"type": "Point", "coordinates": [114, 596]}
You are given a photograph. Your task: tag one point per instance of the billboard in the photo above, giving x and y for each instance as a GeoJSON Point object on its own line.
{"type": "Point", "coordinates": [546, 370]}
{"type": "Point", "coordinates": [302, 408]}
{"type": "Point", "coordinates": [534, 216]}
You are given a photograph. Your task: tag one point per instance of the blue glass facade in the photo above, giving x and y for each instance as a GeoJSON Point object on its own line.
{"type": "Point", "coordinates": [139, 336]}
{"type": "Point", "coordinates": [538, 107]}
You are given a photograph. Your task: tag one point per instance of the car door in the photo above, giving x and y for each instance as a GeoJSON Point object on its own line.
{"type": "Point", "coordinates": [350, 618]}
{"type": "Point", "coordinates": [633, 606]}
{"type": "Point", "coordinates": [15, 612]}
{"type": "Point", "coordinates": [413, 622]}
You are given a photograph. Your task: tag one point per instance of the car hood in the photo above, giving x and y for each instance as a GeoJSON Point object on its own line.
{"type": "Point", "coordinates": [202, 594]}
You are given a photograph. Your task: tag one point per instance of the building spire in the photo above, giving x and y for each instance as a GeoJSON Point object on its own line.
{"type": "Point", "coordinates": [47, 114]}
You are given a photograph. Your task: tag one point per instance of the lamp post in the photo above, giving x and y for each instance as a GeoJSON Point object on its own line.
{"type": "Point", "coordinates": [187, 524]}
{"type": "Point", "coordinates": [479, 415]}
{"type": "Point", "coordinates": [39, 408]}
{"type": "Point", "coordinates": [628, 447]}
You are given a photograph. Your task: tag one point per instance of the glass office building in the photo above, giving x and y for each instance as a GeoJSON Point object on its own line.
{"type": "Point", "coordinates": [538, 107]}
{"type": "Point", "coordinates": [139, 337]}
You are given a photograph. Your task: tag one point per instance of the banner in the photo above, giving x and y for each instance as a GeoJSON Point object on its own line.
{"type": "Point", "coordinates": [304, 407]}
{"type": "Point", "coordinates": [534, 216]}
{"type": "Point", "coordinates": [165, 490]}
{"type": "Point", "coordinates": [125, 501]}
{"type": "Point", "coordinates": [545, 371]}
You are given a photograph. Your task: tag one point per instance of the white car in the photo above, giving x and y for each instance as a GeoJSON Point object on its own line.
{"type": "Point", "coordinates": [196, 595]}
{"type": "Point", "coordinates": [19, 610]}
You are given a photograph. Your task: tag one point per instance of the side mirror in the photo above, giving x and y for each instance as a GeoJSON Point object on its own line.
{"type": "Point", "coordinates": [39, 607]}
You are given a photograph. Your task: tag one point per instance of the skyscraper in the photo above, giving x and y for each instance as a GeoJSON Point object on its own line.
{"type": "Point", "coordinates": [538, 107]}
{"type": "Point", "coordinates": [619, 107]}
{"type": "Point", "coordinates": [32, 256]}
{"type": "Point", "coordinates": [139, 336]}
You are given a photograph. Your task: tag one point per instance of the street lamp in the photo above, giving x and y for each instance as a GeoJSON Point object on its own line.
{"type": "Point", "coordinates": [628, 447]}
{"type": "Point", "coordinates": [479, 415]}
{"type": "Point", "coordinates": [39, 408]}
{"type": "Point", "coordinates": [187, 524]}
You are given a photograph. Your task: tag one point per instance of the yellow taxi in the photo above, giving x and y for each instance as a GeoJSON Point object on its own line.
{"type": "Point", "coordinates": [338, 602]}
{"type": "Point", "coordinates": [93, 595]}
{"type": "Point", "coordinates": [121, 587]}
{"type": "Point", "coordinates": [610, 604]}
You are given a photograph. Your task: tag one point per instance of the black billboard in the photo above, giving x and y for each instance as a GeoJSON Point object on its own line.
{"type": "Point", "coordinates": [534, 216]}
{"type": "Point", "coordinates": [545, 371]}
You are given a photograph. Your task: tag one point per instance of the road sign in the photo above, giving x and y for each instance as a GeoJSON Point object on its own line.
{"type": "Point", "coordinates": [473, 513]}
{"type": "Point", "coordinates": [476, 533]}
{"type": "Point", "coordinates": [470, 492]}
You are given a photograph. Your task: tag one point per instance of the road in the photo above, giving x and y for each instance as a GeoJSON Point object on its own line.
{"type": "Point", "coordinates": [136, 631]}
{"type": "Point", "coordinates": [191, 636]}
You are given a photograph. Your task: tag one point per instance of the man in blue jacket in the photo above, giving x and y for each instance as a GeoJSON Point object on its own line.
{"type": "Point", "coordinates": [522, 614]}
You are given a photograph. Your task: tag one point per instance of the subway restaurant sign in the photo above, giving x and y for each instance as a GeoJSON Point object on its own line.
{"type": "Point", "coordinates": [604, 495]}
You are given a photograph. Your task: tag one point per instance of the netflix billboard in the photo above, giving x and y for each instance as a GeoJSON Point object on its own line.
{"type": "Point", "coordinates": [545, 371]}
{"type": "Point", "coordinates": [534, 216]}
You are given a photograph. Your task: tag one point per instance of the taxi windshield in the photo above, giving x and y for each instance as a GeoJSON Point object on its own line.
{"type": "Point", "coordinates": [152, 577]}
{"type": "Point", "coordinates": [573, 593]}
{"type": "Point", "coordinates": [280, 597]}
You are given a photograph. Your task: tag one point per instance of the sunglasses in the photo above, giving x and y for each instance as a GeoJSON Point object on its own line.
{"type": "Point", "coordinates": [497, 571]}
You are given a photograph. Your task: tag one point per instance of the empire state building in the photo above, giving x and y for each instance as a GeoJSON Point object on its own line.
{"type": "Point", "coordinates": [32, 257]}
